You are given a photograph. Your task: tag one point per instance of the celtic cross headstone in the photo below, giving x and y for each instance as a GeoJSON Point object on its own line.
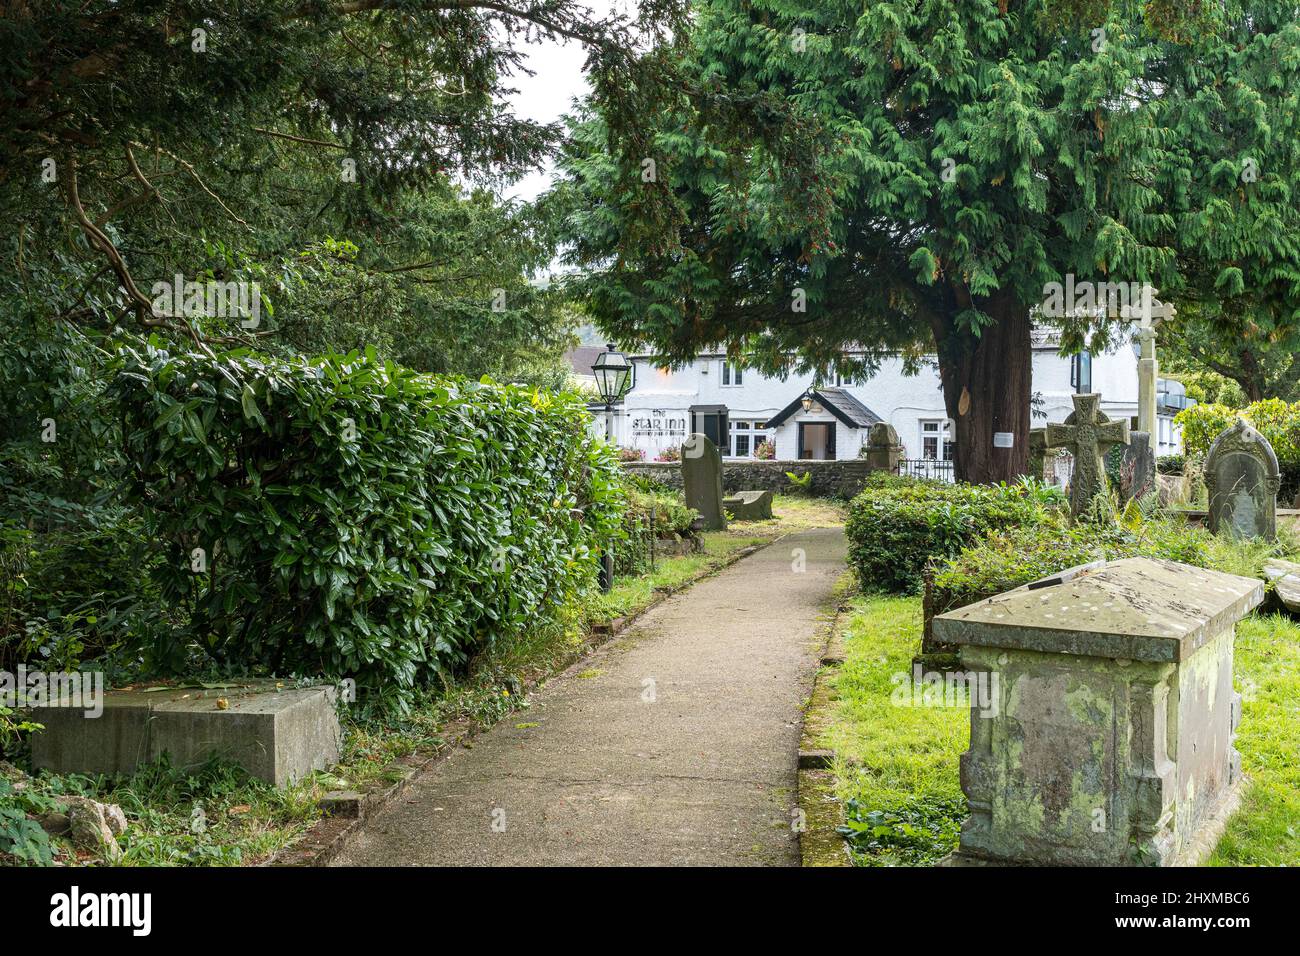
{"type": "Point", "coordinates": [1088, 438]}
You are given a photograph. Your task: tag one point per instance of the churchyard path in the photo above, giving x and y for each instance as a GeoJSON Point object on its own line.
{"type": "Point", "coordinates": [674, 744]}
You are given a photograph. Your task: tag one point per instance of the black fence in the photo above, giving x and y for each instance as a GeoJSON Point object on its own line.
{"type": "Point", "coordinates": [927, 468]}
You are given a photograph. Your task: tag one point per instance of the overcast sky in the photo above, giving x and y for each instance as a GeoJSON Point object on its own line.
{"type": "Point", "coordinates": [551, 92]}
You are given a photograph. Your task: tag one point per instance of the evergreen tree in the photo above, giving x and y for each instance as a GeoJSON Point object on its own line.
{"type": "Point", "coordinates": [966, 155]}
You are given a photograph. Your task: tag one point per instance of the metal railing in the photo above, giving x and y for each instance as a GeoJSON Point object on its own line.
{"type": "Point", "coordinates": [933, 468]}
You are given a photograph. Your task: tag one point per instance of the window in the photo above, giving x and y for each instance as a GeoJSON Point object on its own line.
{"type": "Point", "coordinates": [745, 436]}
{"type": "Point", "coordinates": [1081, 373]}
{"type": "Point", "coordinates": [731, 373]}
{"type": "Point", "coordinates": [936, 440]}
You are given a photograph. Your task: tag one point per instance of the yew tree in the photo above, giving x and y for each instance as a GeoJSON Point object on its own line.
{"type": "Point", "coordinates": [964, 154]}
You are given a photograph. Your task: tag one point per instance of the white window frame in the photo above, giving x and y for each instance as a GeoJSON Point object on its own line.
{"type": "Point", "coordinates": [940, 431]}
{"type": "Point", "coordinates": [731, 375]}
{"type": "Point", "coordinates": [752, 429]}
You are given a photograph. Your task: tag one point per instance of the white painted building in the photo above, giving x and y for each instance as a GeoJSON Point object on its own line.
{"type": "Point", "coordinates": [740, 407]}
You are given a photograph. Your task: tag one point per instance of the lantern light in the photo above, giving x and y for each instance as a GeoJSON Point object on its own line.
{"type": "Point", "coordinates": [615, 375]}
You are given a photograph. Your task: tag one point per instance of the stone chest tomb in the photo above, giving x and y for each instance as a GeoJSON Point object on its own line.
{"type": "Point", "coordinates": [1109, 740]}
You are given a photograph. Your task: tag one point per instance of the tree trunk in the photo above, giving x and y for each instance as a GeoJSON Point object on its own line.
{"type": "Point", "coordinates": [986, 388]}
{"type": "Point", "coordinates": [1252, 377]}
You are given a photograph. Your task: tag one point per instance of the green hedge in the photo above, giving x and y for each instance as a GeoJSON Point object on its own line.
{"type": "Point", "coordinates": [1008, 559]}
{"type": "Point", "coordinates": [359, 519]}
{"type": "Point", "coordinates": [1273, 418]}
{"type": "Point", "coordinates": [897, 526]}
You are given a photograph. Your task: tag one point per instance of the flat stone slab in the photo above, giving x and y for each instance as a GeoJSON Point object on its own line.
{"type": "Point", "coordinates": [1103, 729]}
{"type": "Point", "coordinates": [749, 505]}
{"type": "Point", "coordinates": [278, 734]}
{"type": "Point", "coordinates": [1136, 609]}
{"type": "Point", "coordinates": [1285, 576]}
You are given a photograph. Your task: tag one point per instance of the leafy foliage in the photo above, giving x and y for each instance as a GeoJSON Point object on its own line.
{"type": "Point", "coordinates": [898, 526]}
{"type": "Point", "coordinates": [963, 155]}
{"type": "Point", "coordinates": [917, 834]}
{"type": "Point", "coordinates": [352, 518]}
{"type": "Point", "coordinates": [1276, 420]}
{"type": "Point", "coordinates": [21, 838]}
{"type": "Point", "coordinates": [671, 519]}
{"type": "Point", "coordinates": [1008, 559]}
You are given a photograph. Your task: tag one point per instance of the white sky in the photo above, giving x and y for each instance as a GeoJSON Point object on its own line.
{"type": "Point", "coordinates": [550, 93]}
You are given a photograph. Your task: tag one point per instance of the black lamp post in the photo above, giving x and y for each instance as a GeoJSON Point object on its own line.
{"type": "Point", "coordinates": [615, 375]}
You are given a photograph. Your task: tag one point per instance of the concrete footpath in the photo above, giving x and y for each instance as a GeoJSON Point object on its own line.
{"type": "Point", "coordinates": [675, 744]}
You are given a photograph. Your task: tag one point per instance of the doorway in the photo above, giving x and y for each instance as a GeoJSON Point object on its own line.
{"type": "Point", "coordinates": [817, 440]}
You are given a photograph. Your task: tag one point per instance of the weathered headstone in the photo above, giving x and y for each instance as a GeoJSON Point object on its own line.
{"type": "Point", "coordinates": [1037, 453]}
{"type": "Point", "coordinates": [1088, 437]}
{"type": "Point", "coordinates": [1104, 736]}
{"type": "Point", "coordinates": [702, 480]}
{"type": "Point", "coordinates": [883, 450]}
{"type": "Point", "coordinates": [1241, 473]}
{"type": "Point", "coordinates": [1137, 470]}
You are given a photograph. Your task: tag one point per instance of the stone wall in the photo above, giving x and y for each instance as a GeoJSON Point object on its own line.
{"type": "Point", "coordinates": [829, 478]}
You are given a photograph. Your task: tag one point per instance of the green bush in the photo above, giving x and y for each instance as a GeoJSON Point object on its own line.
{"type": "Point", "coordinates": [1171, 464]}
{"type": "Point", "coordinates": [897, 526]}
{"type": "Point", "coordinates": [1008, 559]}
{"type": "Point", "coordinates": [79, 592]}
{"type": "Point", "coordinates": [671, 518]}
{"type": "Point", "coordinates": [1273, 418]}
{"type": "Point", "coordinates": [350, 517]}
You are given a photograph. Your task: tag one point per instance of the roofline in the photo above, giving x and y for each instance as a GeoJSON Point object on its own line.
{"type": "Point", "coordinates": [794, 406]}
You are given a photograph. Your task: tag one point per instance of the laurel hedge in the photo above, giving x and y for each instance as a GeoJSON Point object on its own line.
{"type": "Point", "coordinates": [348, 517]}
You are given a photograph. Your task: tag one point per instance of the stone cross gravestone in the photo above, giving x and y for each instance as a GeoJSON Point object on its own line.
{"type": "Point", "coordinates": [1138, 469]}
{"type": "Point", "coordinates": [702, 480]}
{"type": "Point", "coordinates": [1088, 437]}
{"type": "Point", "coordinates": [1103, 731]}
{"type": "Point", "coordinates": [1242, 475]}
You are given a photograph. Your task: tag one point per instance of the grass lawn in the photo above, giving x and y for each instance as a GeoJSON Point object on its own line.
{"type": "Point", "coordinates": [897, 766]}
{"type": "Point", "coordinates": [215, 815]}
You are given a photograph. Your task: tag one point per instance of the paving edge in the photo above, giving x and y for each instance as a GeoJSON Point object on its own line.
{"type": "Point", "coordinates": [820, 843]}
{"type": "Point", "coordinates": [326, 838]}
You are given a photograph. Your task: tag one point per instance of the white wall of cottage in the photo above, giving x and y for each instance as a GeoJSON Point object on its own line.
{"type": "Point", "coordinates": [655, 414]}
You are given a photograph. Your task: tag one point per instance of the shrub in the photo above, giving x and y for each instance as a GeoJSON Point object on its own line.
{"type": "Point", "coordinates": [1008, 559]}
{"type": "Point", "coordinates": [671, 453]}
{"type": "Point", "coordinates": [1274, 419]}
{"type": "Point", "coordinates": [350, 517]}
{"type": "Point", "coordinates": [1171, 464]}
{"type": "Point", "coordinates": [765, 450]}
{"type": "Point", "coordinates": [897, 526]}
{"type": "Point", "coordinates": [671, 518]}
{"type": "Point", "coordinates": [631, 454]}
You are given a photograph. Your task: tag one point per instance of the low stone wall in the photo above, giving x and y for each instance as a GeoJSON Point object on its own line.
{"type": "Point", "coordinates": [829, 478]}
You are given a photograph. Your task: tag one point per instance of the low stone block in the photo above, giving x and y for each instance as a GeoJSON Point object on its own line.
{"type": "Point", "coordinates": [277, 734]}
{"type": "Point", "coordinates": [749, 505]}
